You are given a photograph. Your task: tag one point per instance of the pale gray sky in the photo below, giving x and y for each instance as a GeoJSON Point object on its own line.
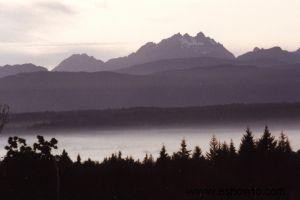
{"type": "Point", "coordinates": [46, 31]}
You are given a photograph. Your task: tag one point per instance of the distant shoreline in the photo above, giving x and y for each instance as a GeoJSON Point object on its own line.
{"type": "Point", "coordinates": [149, 117]}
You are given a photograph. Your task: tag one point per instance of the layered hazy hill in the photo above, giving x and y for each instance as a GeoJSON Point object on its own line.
{"type": "Point", "coordinates": [221, 84]}
{"type": "Point", "coordinates": [173, 64]}
{"type": "Point", "coordinates": [80, 62]}
{"type": "Point", "coordinates": [8, 70]}
{"type": "Point", "coordinates": [274, 54]}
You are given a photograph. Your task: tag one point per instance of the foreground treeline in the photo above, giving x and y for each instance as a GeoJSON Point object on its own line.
{"type": "Point", "coordinates": [263, 164]}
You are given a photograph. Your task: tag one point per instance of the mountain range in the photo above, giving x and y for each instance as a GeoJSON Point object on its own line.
{"type": "Point", "coordinates": [176, 52]}
{"type": "Point", "coordinates": [177, 72]}
{"type": "Point", "coordinates": [274, 54]}
{"type": "Point", "coordinates": [176, 47]}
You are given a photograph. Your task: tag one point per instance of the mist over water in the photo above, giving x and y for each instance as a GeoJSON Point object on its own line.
{"type": "Point", "coordinates": [98, 144]}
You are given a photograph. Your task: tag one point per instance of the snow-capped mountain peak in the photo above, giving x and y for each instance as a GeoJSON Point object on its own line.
{"type": "Point", "coordinates": [187, 40]}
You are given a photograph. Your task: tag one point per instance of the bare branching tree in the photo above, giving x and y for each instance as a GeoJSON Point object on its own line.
{"type": "Point", "coordinates": [4, 111]}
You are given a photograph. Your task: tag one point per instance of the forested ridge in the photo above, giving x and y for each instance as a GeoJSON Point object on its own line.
{"type": "Point", "coordinates": [159, 117]}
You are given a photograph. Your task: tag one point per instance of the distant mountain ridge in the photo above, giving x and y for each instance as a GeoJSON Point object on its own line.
{"type": "Point", "coordinates": [149, 57]}
{"type": "Point", "coordinates": [80, 62]}
{"type": "Point", "coordinates": [8, 70]}
{"type": "Point", "coordinates": [173, 53]}
{"type": "Point", "coordinates": [275, 54]}
{"type": "Point", "coordinates": [177, 46]}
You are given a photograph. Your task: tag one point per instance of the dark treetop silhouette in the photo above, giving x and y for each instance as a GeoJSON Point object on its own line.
{"type": "Point", "coordinates": [266, 168]}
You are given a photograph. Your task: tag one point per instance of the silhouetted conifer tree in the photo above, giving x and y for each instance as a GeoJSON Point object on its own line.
{"type": "Point", "coordinates": [247, 146]}
{"type": "Point", "coordinates": [148, 160]}
{"type": "Point", "coordinates": [119, 155]}
{"type": "Point", "coordinates": [183, 153]}
{"type": "Point", "coordinates": [214, 148]}
{"type": "Point", "coordinates": [197, 153]}
{"type": "Point", "coordinates": [129, 159]}
{"type": "Point", "coordinates": [283, 145]}
{"type": "Point", "coordinates": [232, 150]}
{"type": "Point", "coordinates": [145, 159]}
{"type": "Point", "coordinates": [163, 155]}
{"type": "Point", "coordinates": [78, 159]}
{"type": "Point", "coordinates": [267, 143]}
{"type": "Point", "coordinates": [224, 150]}
{"type": "Point", "coordinates": [64, 159]}
{"type": "Point", "coordinates": [89, 163]}
{"type": "Point", "coordinates": [151, 160]}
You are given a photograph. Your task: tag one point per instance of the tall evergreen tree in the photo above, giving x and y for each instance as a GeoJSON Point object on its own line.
{"type": "Point", "coordinates": [224, 149]}
{"type": "Point", "coordinates": [64, 159]}
{"type": "Point", "coordinates": [197, 154]}
{"type": "Point", "coordinates": [78, 159]}
{"type": "Point", "coordinates": [232, 150]}
{"type": "Point", "coordinates": [163, 155]}
{"type": "Point", "coordinates": [247, 146]}
{"type": "Point", "coordinates": [213, 149]}
{"type": "Point", "coordinates": [183, 153]}
{"type": "Point", "coordinates": [119, 155]}
{"type": "Point", "coordinates": [283, 145]}
{"type": "Point", "coordinates": [148, 160]}
{"type": "Point", "coordinates": [267, 143]}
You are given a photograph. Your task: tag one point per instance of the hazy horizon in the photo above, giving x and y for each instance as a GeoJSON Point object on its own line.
{"type": "Point", "coordinates": [45, 32]}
